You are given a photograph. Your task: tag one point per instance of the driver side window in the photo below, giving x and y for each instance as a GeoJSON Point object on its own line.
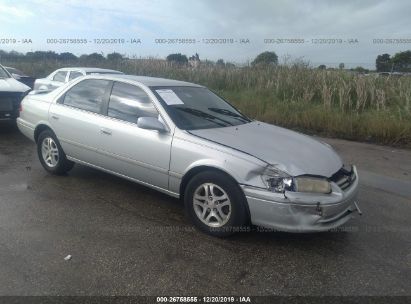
{"type": "Point", "coordinates": [129, 102]}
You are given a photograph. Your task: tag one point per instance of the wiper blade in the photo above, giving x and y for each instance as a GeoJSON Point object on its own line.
{"type": "Point", "coordinates": [229, 113]}
{"type": "Point", "coordinates": [205, 115]}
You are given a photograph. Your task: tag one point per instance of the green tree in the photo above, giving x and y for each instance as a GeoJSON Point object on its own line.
{"type": "Point", "coordinates": [383, 63]}
{"type": "Point", "coordinates": [265, 58]}
{"type": "Point", "coordinates": [177, 58]}
{"type": "Point", "coordinates": [195, 57]}
{"type": "Point", "coordinates": [341, 66]}
{"type": "Point", "coordinates": [12, 55]}
{"type": "Point", "coordinates": [42, 55]}
{"type": "Point", "coordinates": [220, 63]}
{"type": "Point", "coordinates": [67, 56]}
{"type": "Point", "coordinates": [322, 67]}
{"type": "Point", "coordinates": [361, 70]}
{"type": "Point", "coordinates": [402, 61]}
{"type": "Point", "coordinates": [94, 59]}
{"type": "Point", "coordinates": [115, 57]}
{"type": "Point", "coordinates": [230, 65]}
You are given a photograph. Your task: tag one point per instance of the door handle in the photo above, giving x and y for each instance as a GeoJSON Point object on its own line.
{"type": "Point", "coordinates": [105, 131]}
{"type": "Point", "coordinates": [54, 117]}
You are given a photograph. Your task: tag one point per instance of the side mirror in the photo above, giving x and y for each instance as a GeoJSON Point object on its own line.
{"type": "Point", "coordinates": [15, 76]}
{"type": "Point", "coordinates": [150, 123]}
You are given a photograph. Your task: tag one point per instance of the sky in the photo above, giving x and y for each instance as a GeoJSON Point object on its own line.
{"type": "Point", "coordinates": [317, 31]}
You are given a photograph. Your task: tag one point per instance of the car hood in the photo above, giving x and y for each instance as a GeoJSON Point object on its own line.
{"type": "Point", "coordinates": [290, 151]}
{"type": "Point", "coordinates": [12, 85]}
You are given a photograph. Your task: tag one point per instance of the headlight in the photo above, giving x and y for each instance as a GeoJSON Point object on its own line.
{"type": "Point", "coordinates": [311, 184]}
{"type": "Point", "coordinates": [277, 180]}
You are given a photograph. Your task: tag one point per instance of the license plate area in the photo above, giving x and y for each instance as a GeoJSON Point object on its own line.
{"type": "Point", "coordinates": [6, 104]}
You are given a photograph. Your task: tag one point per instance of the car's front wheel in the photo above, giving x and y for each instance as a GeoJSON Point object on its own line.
{"type": "Point", "coordinates": [51, 155]}
{"type": "Point", "coordinates": [215, 204]}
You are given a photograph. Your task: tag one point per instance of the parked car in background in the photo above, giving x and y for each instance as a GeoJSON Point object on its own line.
{"type": "Point", "coordinates": [11, 94]}
{"type": "Point", "coordinates": [184, 140]}
{"type": "Point", "coordinates": [21, 76]}
{"type": "Point", "coordinates": [64, 75]}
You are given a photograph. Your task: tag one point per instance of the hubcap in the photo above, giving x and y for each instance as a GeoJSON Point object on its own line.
{"type": "Point", "coordinates": [50, 152]}
{"type": "Point", "coordinates": [212, 205]}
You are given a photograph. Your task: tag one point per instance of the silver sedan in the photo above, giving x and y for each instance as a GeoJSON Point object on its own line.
{"type": "Point", "coordinates": [184, 140]}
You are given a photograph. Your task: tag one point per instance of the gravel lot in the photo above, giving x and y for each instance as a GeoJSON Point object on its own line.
{"type": "Point", "coordinates": [125, 239]}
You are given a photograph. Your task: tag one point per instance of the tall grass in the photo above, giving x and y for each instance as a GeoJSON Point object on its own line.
{"type": "Point", "coordinates": [324, 102]}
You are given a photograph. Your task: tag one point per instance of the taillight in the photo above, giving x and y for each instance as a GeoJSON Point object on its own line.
{"type": "Point", "coordinates": [21, 100]}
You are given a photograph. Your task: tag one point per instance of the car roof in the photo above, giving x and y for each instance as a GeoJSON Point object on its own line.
{"type": "Point", "coordinates": [150, 81]}
{"type": "Point", "coordinates": [90, 70]}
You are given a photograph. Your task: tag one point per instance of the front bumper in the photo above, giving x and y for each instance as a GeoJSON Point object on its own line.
{"type": "Point", "coordinates": [302, 212]}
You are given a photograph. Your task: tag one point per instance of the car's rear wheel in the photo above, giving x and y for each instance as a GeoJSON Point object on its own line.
{"type": "Point", "coordinates": [215, 204]}
{"type": "Point", "coordinates": [51, 155]}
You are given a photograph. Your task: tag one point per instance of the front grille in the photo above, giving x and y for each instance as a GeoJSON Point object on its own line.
{"type": "Point", "coordinates": [344, 177]}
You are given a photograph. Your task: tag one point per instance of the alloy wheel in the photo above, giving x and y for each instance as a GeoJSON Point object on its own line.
{"type": "Point", "coordinates": [212, 205]}
{"type": "Point", "coordinates": [50, 152]}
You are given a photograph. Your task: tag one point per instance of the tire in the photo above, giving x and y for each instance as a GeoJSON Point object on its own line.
{"type": "Point", "coordinates": [216, 204]}
{"type": "Point", "coordinates": [51, 155]}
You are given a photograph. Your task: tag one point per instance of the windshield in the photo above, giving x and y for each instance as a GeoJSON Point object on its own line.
{"type": "Point", "coordinates": [14, 71]}
{"type": "Point", "coordinates": [193, 108]}
{"type": "Point", "coordinates": [4, 73]}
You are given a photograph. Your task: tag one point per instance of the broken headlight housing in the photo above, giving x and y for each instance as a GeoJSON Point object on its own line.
{"type": "Point", "coordinates": [312, 185]}
{"type": "Point", "coordinates": [277, 180]}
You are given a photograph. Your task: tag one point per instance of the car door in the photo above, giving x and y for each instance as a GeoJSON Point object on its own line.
{"type": "Point", "coordinates": [138, 153]}
{"type": "Point", "coordinates": [76, 119]}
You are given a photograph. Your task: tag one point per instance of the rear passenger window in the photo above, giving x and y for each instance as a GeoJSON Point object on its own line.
{"type": "Point", "coordinates": [60, 76]}
{"type": "Point", "coordinates": [74, 75]}
{"type": "Point", "coordinates": [129, 102]}
{"type": "Point", "coordinates": [87, 95]}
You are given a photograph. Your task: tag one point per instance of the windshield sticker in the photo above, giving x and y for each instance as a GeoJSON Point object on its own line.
{"type": "Point", "coordinates": [169, 97]}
